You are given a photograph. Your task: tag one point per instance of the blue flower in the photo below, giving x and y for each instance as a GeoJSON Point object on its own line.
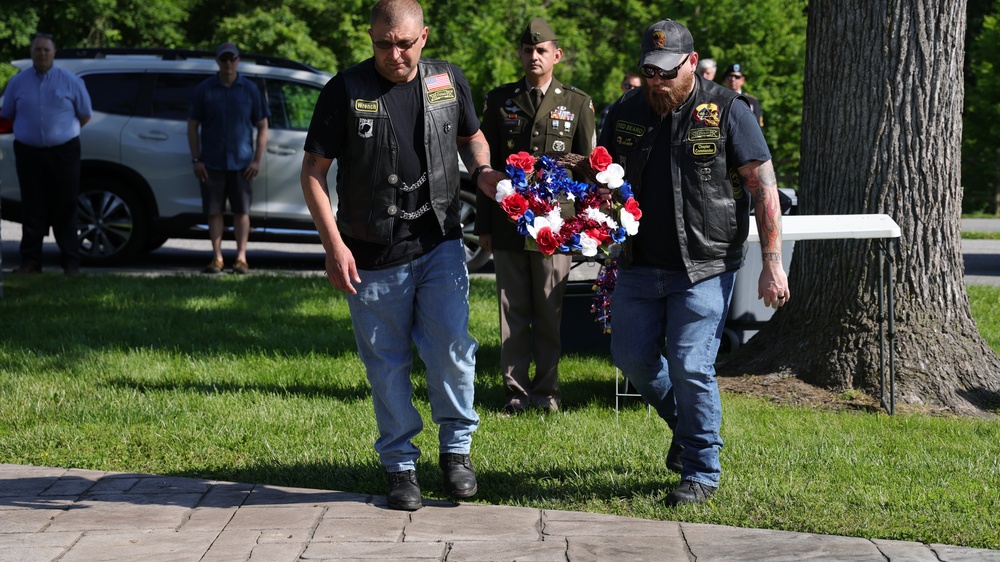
{"type": "Point", "coordinates": [626, 191]}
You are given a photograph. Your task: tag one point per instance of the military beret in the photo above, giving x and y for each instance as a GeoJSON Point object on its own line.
{"type": "Point", "coordinates": [538, 31]}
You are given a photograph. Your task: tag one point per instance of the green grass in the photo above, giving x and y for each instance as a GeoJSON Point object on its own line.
{"type": "Point", "coordinates": [256, 379]}
{"type": "Point", "coordinates": [981, 235]}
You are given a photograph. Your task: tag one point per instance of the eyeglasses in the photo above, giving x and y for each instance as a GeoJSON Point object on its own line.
{"type": "Point", "coordinates": [734, 76]}
{"type": "Point", "coordinates": [626, 86]}
{"type": "Point", "coordinates": [650, 71]}
{"type": "Point", "coordinates": [401, 45]}
{"type": "Point", "coordinates": [228, 58]}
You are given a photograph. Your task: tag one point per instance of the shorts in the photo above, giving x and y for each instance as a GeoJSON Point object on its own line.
{"type": "Point", "coordinates": [226, 184]}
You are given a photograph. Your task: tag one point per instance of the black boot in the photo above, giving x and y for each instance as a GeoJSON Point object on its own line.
{"type": "Point", "coordinates": [689, 492]}
{"type": "Point", "coordinates": [674, 456]}
{"type": "Point", "coordinates": [404, 492]}
{"type": "Point", "coordinates": [459, 477]}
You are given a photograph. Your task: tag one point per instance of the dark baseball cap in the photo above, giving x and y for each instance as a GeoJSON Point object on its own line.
{"type": "Point", "coordinates": [734, 69]}
{"type": "Point", "coordinates": [538, 31]}
{"type": "Point", "coordinates": [227, 48]}
{"type": "Point", "coordinates": [665, 44]}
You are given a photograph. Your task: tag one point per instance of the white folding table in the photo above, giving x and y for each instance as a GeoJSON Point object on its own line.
{"type": "Point", "coordinates": [885, 232]}
{"type": "Point", "coordinates": [880, 228]}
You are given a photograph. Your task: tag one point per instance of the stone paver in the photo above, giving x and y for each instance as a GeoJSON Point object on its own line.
{"type": "Point", "coordinates": [69, 515]}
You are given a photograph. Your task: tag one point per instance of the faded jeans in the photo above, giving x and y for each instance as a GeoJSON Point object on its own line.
{"type": "Point", "coordinates": [426, 303]}
{"type": "Point", "coordinates": [650, 304]}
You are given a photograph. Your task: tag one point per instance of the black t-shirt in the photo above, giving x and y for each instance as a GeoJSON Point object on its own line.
{"type": "Point", "coordinates": [657, 244]}
{"type": "Point", "coordinates": [411, 238]}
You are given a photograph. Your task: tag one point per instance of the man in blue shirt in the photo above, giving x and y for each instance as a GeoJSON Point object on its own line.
{"type": "Point", "coordinates": [48, 106]}
{"type": "Point", "coordinates": [227, 107]}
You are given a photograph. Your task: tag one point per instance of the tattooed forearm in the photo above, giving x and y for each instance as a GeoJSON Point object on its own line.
{"type": "Point", "coordinates": [475, 152]}
{"type": "Point", "coordinates": [760, 181]}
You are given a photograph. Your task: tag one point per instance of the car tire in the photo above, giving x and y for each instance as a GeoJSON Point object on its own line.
{"type": "Point", "coordinates": [475, 256]}
{"type": "Point", "coordinates": [112, 223]}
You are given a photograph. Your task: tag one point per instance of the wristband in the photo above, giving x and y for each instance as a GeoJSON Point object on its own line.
{"type": "Point", "coordinates": [475, 174]}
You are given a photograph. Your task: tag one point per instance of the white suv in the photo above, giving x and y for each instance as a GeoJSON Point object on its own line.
{"type": "Point", "coordinates": [137, 188]}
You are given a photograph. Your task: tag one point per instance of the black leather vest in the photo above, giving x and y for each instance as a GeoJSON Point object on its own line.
{"type": "Point", "coordinates": [711, 210]}
{"type": "Point", "coordinates": [367, 179]}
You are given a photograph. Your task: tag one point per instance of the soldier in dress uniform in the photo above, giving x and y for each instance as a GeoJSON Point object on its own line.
{"type": "Point", "coordinates": [536, 114]}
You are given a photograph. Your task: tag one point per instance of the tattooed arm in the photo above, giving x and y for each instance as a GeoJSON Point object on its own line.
{"type": "Point", "coordinates": [341, 269]}
{"type": "Point", "coordinates": [759, 180]}
{"type": "Point", "coordinates": [475, 152]}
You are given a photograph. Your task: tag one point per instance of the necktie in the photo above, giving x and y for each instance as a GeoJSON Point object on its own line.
{"type": "Point", "coordinates": [536, 98]}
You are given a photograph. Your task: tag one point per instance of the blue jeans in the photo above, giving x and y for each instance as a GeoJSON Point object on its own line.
{"type": "Point", "coordinates": [424, 302]}
{"type": "Point", "coordinates": [650, 304]}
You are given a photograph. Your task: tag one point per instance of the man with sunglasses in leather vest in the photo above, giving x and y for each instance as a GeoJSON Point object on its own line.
{"type": "Point", "coordinates": [696, 159]}
{"type": "Point", "coordinates": [397, 123]}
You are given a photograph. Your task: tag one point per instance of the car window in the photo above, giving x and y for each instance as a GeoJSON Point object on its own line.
{"type": "Point", "coordinates": [114, 93]}
{"type": "Point", "coordinates": [172, 95]}
{"type": "Point", "coordinates": [291, 104]}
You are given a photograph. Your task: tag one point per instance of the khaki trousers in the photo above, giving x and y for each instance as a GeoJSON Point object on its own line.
{"type": "Point", "coordinates": [530, 290]}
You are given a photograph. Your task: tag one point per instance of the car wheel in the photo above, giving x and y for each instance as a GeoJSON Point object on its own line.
{"type": "Point", "coordinates": [111, 222]}
{"type": "Point", "coordinates": [475, 256]}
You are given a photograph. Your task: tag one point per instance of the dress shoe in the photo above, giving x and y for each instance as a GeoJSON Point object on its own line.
{"type": "Point", "coordinates": [213, 268]}
{"type": "Point", "coordinates": [459, 477]}
{"type": "Point", "coordinates": [404, 492]}
{"type": "Point", "coordinates": [674, 456]}
{"type": "Point", "coordinates": [511, 410]}
{"type": "Point", "coordinates": [689, 491]}
{"type": "Point", "coordinates": [27, 270]}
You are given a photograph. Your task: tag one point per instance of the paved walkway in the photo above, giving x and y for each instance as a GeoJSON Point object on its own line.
{"type": "Point", "coordinates": [80, 515]}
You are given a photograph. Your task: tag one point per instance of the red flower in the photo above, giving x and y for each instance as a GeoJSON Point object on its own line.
{"type": "Point", "coordinates": [547, 242]}
{"type": "Point", "coordinates": [514, 205]}
{"type": "Point", "coordinates": [600, 159]}
{"type": "Point", "coordinates": [522, 160]}
{"type": "Point", "coordinates": [599, 234]}
{"type": "Point", "coordinates": [632, 206]}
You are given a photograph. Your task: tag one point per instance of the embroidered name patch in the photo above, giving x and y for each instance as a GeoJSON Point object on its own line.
{"type": "Point", "coordinates": [704, 133]}
{"type": "Point", "coordinates": [704, 149]}
{"type": "Point", "coordinates": [630, 128]}
{"type": "Point", "coordinates": [366, 106]}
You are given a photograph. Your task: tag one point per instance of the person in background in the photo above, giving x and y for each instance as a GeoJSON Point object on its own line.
{"type": "Point", "coordinates": [537, 114]}
{"type": "Point", "coordinates": [225, 110]}
{"type": "Point", "coordinates": [694, 178]}
{"type": "Point", "coordinates": [629, 82]}
{"type": "Point", "coordinates": [734, 79]}
{"type": "Point", "coordinates": [706, 69]}
{"type": "Point", "coordinates": [48, 106]}
{"type": "Point", "coordinates": [397, 124]}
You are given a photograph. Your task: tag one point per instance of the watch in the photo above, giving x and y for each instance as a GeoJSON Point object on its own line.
{"type": "Point", "coordinates": [479, 170]}
{"type": "Point", "coordinates": [195, 160]}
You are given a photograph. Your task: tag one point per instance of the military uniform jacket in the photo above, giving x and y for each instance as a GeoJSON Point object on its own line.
{"type": "Point", "coordinates": [564, 123]}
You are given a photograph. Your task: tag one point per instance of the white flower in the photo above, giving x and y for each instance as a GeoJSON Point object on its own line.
{"type": "Point", "coordinates": [613, 176]}
{"type": "Point", "coordinates": [629, 222]}
{"type": "Point", "coordinates": [597, 215]}
{"type": "Point", "coordinates": [504, 188]}
{"type": "Point", "coordinates": [541, 222]}
{"type": "Point", "coordinates": [588, 245]}
{"type": "Point", "coordinates": [555, 218]}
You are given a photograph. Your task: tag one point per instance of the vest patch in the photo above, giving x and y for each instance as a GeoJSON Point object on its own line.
{"type": "Point", "coordinates": [366, 128]}
{"type": "Point", "coordinates": [704, 149]}
{"type": "Point", "coordinates": [439, 96]}
{"type": "Point", "coordinates": [704, 133]}
{"type": "Point", "coordinates": [437, 82]}
{"type": "Point", "coordinates": [707, 113]}
{"type": "Point", "coordinates": [366, 106]}
{"type": "Point", "coordinates": [630, 128]}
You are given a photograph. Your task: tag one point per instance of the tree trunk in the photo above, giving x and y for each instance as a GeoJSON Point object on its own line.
{"type": "Point", "coordinates": [882, 130]}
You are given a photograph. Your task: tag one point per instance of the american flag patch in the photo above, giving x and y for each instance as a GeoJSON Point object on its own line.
{"type": "Point", "coordinates": [437, 82]}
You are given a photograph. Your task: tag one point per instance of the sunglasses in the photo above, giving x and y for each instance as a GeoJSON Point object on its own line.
{"type": "Point", "coordinates": [401, 45]}
{"type": "Point", "coordinates": [650, 71]}
{"type": "Point", "coordinates": [228, 58]}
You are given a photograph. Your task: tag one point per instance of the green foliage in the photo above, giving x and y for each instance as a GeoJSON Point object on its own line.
{"type": "Point", "coordinates": [257, 379]}
{"type": "Point", "coordinates": [981, 122]}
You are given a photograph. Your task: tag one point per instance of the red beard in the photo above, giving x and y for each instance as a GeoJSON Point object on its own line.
{"type": "Point", "coordinates": [665, 99]}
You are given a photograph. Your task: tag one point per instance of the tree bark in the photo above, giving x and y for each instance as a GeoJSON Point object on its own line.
{"type": "Point", "coordinates": [882, 130]}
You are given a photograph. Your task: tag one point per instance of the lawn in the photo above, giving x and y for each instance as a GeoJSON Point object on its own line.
{"type": "Point", "coordinates": [255, 379]}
